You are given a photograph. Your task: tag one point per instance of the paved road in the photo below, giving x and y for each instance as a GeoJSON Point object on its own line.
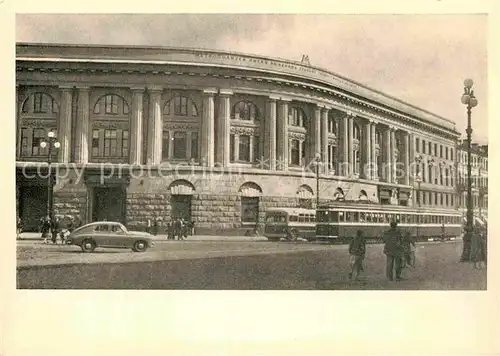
{"type": "Point", "coordinates": [240, 266]}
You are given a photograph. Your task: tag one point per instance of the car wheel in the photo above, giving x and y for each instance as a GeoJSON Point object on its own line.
{"type": "Point", "coordinates": [88, 245]}
{"type": "Point", "coordinates": [140, 246]}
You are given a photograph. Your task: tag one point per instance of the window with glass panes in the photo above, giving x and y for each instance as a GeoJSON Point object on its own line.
{"type": "Point", "coordinates": [110, 143]}
{"type": "Point", "coordinates": [179, 143]}
{"type": "Point", "coordinates": [296, 153]}
{"type": "Point", "coordinates": [244, 148]}
{"type": "Point", "coordinates": [245, 110]}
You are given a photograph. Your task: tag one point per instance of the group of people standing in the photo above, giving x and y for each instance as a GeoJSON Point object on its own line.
{"type": "Point", "coordinates": [52, 228]}
{"type": "Point", "coordinates": [400, 251]}
{"type": "Point", "coordinates": [180, 229]}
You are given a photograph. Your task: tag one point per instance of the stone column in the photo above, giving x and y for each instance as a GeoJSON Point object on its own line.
{"type": "Point", "coordinates": [373, 128]}
{"type": "Point", "coordinates": [393, 155]}
{"type": "Point", "coordinates": [207, 130]}
{"type": "Point", "coordinates": [236, 152]}
{"type": "Point", "coordinates": [136, 127]}
{"type": "Point", "coordinates": [155, 127]}
{"type": "Point", "coordinates": [345, 147]}
{"type": "Point", "coordinates": [270, 134]}
{"type": "Point", "coordinates": [350, 146]}
{"type": "Point", "coordinates": [324, 141]}
{"type": "Point", "coordinates": [316, 134]}
{"type": "Point", "coordinates": [407, 148]}
{"type": "Point", "coordinates": [387, 155]}
{"type": "Point", "coordinates": [282, 134]}
{"type": "Point", "coordinates": [366, 169]}
{"type": "Point", "coordinates": [223, 127]}
{"type": "Point", "coordinates": [412, 171]}
{"type": "Point", "coordinates": [82, 126]}
{"type": "Point", "coordinates": [65, 115]}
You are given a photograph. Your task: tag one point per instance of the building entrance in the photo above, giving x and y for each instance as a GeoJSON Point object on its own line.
{"type": "Point", "coordinates": [109, 204]}
{"type": "Point", "coordinates": [32, 206]}
{"type": "Point", "coordinates": [181, 207]}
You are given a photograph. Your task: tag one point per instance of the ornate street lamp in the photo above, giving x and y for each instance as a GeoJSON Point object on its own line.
{"type": "Point", "coordinates": [317, 159]}
{"type": "Point", "coordinates": [51, 143]}
{"type": "Point", "coordinates": [470, 101]}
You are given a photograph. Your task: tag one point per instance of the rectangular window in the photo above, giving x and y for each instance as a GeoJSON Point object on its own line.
{"type": "Point", "coordinates": [38, 137]}
{"type": "Point", "coordinates": [180, 106]}
{"type": "Point", "coordinates": [125, 143]}
{"type": "Point", "coordinates": [95, 142]}
{"type": "Point", "coordinates": [417, 145]}
{"type": "Point", "coordinates": [446, 152]}
{"type": "Point", "coordinates": [244, 149]}
{"type": "Point", "coordinates": [435, 198]}
{"type": "Point", "coordinates": [256, 148]}
{"type": "Point", "coordinates": [451, 153]}
{"type": "Point", "coordinates": [110, 143]}
{"type": "Point", "coordinates": [430, 148]}
{"type": "Point", "coordinates": [37, 103]}
{"type": "Point", "coordinates": [249, 209]}
{"type": "Point", "coordinates": [231, 148]}
{"type": "Point", "coordinates": [180, 138]}
{"type": "Point", "coordinates": [25, 133]}
{"type": "Point", "coordinates": [295, 158]}
{"type": "Point", "coordinates": [303, 152]}
{"type": "Point", "coordinates": [423, 146]}
{"type": "Point", "coordinates": [194, 145]}
{"type": "Point", "coordinates": [442, 199]}
{"type": "Point", "coordinates": [435, 149]}
{"type": "Point", "coordinates": [165, 145]}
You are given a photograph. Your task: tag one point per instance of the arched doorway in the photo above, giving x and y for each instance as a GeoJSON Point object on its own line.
{"type": "Point", "coordinates": [250, 199]}
{"type": "Point", "coordinates": [181, 199]}
{"type": "Point", "coordinates": [305, 196]}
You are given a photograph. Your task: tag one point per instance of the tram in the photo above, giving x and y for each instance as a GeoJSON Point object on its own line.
{"type": "Point", "coordinates": [339, 222]}
{"type": "Point", "coordinates": [299, 222]}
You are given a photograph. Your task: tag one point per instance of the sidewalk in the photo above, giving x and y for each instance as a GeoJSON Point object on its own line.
{"type": "Point", "coordinates": [35, 236]}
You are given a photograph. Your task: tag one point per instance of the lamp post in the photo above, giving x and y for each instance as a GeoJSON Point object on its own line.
{"type": "Point", "coordinates": [51, 143]}
{"type": "Point", "coordinates": [317, 159]}
{"type": "Point", "coordinates": [470, 101]}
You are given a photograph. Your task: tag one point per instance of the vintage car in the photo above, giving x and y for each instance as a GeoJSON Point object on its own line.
{"type": "Point", "coordinates": [109, 234]}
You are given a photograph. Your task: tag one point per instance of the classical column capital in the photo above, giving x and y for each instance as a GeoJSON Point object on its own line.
{"type": "Point", "coordinates": [210, 91]}
{"type": "Point", "coordinates": [83, 88]}
{"type": "Point", "coordinates": [137, 89]}
{"type": "Point", "coordinates": [225, 92]}
{"type": "Point", "coordinates": [155, 89]}
{"type": "Point", "coordinates": [66, 87]}
{"type": "Point", "coordinates": [273, 98]}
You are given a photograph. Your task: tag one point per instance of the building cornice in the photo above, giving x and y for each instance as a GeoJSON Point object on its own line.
{"type": "Point", "coordinates": [210, 58]}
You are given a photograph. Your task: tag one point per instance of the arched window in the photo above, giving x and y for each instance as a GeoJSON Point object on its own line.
{"type": "Point", "coordinates": [339, 194]}
{"type": "Point", "coordinates": [111, 104]}
{"type": "Point", "coordinates": [40, 103]}
{"type": "Point", "coordinates": [297, 117]}
{"type": "Point", "coordinates": [180, 105]}
{"type": "Point", "coordinates": [180, 141]}
{"type": "Point", "coordinates": [378, 137]}
{"type": "Point", "coordinates": [356, 132]}
{"type": "Point", "coordinates": [33, 131]}
{"type": "Point", "coordinates": [305, 195]}
{"type": "Point", "coordinates": [245, 110]}
{"type": "Point", "coordinates": [250, 197]}
{"type": "Point", "coordinates": [110, 129]}
{"type": "Point", "coordinates": [363, 195]}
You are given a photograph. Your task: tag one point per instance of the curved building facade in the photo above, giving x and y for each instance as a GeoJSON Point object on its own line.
{"type": "Point", "coordinates": [151, 133]}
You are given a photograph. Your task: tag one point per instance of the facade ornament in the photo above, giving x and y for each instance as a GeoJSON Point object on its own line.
{"type": "Point", "coordinates": [305, 60]}
{"type": "Point", "coordinates": [297, 135]}
{"type": "Point", "coordinates": [34, 123]}
{"type": "Point", "coordinates": [170, 126]}
{"type": "Point", "coordinates": [242, 130]}
{"type": "Point", "coordinates": [98, 124]}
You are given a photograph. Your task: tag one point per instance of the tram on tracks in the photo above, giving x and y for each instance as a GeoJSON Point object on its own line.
{"type": "Point", "coordinates": [282, 222]}
{"type": "Point", "coordinates": [339, 221]}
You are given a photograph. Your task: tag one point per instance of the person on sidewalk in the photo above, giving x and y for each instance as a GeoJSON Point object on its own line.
{"type": "Point", "coordinates": [393, 249]}
{"type": "Point", "coordinates": [19, 228]}
{"type": "Point", "coordinates": [357, 250]}
{"type": "Point", "coordinates": [478, 249]}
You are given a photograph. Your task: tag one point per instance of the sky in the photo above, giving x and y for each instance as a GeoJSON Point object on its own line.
{"type": "Point", "coordinates": [421, 59]}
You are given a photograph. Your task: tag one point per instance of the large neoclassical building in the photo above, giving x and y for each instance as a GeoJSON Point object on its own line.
{"type": "Point", "coordinates": [149, 133]}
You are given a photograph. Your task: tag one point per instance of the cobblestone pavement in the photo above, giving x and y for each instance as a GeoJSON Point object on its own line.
{"type": "Point", "coordinates": [240, 265]}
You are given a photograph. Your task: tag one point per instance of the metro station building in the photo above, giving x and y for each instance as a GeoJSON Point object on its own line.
{"type": "Point", "coordinates": [150, 133]}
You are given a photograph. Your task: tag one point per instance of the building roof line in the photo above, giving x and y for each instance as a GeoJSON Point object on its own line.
{"type": "Point", "coordinates": [190, 49]}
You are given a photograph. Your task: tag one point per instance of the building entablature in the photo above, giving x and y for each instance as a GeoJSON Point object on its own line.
{"type": "Point", "coordinates": [235, 66]}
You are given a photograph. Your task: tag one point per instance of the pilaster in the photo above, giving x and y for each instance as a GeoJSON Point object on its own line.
{"type": "Point", "coordinates": [65, 116]}
{"type": "Point", "coordinates": [82, 126]}
{"type": "Point", "coordinates": [136, 126]}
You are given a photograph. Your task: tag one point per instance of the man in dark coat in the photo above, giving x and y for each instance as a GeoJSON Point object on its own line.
{"type": "Point", "coordinates": [357, 250]}
{"type": "Point", "coordinates": [394, 251]}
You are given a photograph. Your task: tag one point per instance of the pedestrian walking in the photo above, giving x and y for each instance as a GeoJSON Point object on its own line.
{"type": "Point", "coordinates": [357, 250]}
{"type": "Point", "coordinates": [478, 249]}
{"type": "Point", "coordinates": [393, 249]}
{"type": "Point", "coordinates": [409, 247]}
{"type": "Point", "coordinates": [55, 229]}
{"type": "Point", "coordinates": [192, 227]}
{"type": "Point", "coordinates": [45, 225]}
{"type": "Point", "coordinates": [170, 230]}
{"type": "Point", "coordinates": [148, 227]}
